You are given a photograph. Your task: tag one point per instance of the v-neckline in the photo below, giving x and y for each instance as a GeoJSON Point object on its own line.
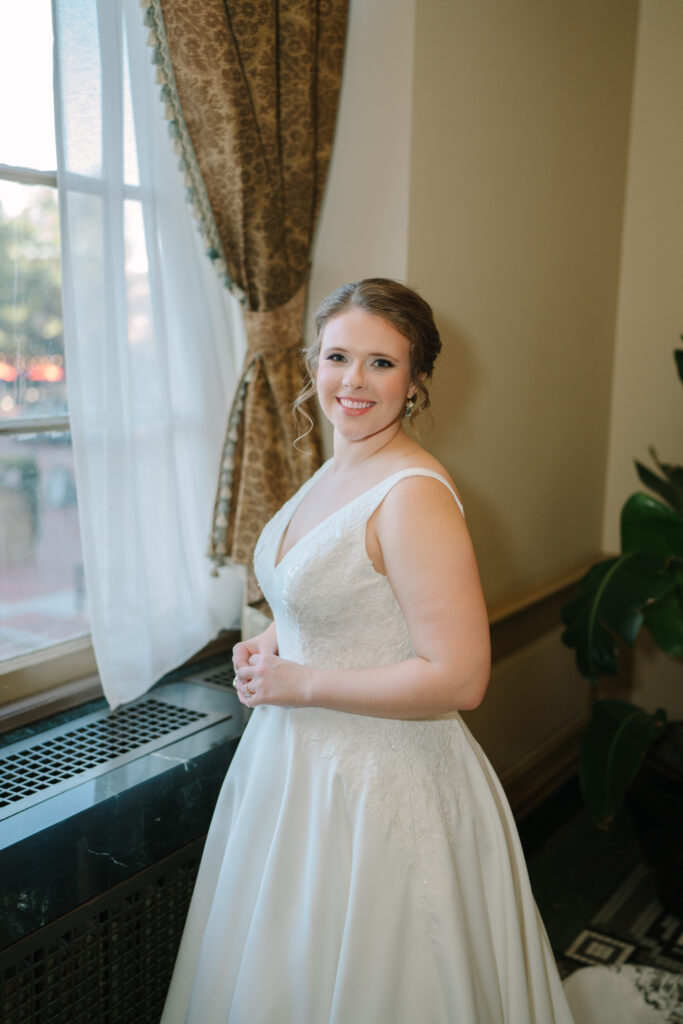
{"type": "Point", "coordinates": [279, 556]}
{"type": "Point", "coordinates": [417, 470]}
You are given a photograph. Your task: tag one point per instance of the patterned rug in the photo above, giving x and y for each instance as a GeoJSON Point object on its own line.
{"type": "Point", "coordinates": [631, 927]}
{"type": "Point", "coordinates": [635, 950]}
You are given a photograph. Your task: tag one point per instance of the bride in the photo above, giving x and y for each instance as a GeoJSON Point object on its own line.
{"type": "Point", "coordinates": [362, 865]}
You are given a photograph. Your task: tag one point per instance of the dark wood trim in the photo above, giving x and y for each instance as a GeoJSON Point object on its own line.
{"type": "Point", "coordinates": [519, 621]}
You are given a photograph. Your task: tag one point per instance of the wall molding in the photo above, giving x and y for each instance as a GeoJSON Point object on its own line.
{"type": "Point", "coordinates": [529, 783]}
{"type": "Point", "coordinates": [517, 621]}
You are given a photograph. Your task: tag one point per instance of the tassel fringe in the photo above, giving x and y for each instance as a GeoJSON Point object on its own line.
{"type": "Point", "coordinates": [187, 161]}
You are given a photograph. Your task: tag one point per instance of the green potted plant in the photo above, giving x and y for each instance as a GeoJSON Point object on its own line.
{"type": "Point", "coordinates": [640, 587]}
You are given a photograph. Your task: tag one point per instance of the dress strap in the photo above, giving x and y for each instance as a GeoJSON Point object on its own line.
{"type": "Point", "coordinates": [382, 489]}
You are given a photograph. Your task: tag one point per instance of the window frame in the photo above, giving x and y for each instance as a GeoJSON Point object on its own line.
{"type": "Point", "coordinates": [64, 673]}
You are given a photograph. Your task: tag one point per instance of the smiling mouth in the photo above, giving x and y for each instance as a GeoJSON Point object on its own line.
{"type": "Point", "coordinates": [352, 405]}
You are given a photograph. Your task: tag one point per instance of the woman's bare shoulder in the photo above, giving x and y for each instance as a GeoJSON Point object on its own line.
{"type": "Point", "coordinates": [421, 459]}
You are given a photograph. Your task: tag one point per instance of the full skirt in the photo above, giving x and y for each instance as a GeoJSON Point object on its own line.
{"type": "Point", "coordinates": [345, 882]}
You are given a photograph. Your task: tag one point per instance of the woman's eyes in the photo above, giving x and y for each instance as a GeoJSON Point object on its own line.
{"type": "Point", "coordinates": [381, 363]}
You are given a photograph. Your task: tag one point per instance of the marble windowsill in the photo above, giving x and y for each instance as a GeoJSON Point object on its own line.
{"type": "Point", "coordinates": [74, 845]}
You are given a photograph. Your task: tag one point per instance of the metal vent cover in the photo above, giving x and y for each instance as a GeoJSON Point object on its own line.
{"type": "Point", "coordinates": [40, 767]}
{"type": "Point", "coordinates": [108, 962]}
{"type": "Point", "coordinates": [222, 675]}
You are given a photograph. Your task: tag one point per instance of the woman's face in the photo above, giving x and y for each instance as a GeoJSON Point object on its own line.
{"type": "Point", "coordinates": [363, 376]}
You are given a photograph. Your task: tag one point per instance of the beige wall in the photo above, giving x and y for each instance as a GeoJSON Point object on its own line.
{"type": "Point", "coordinates": [363, 228]}
{"type": "Point", "coordinates": [535, 702]}
{"type": "Point", "coordinates": [647, 400]}
{"type": "Point", "coordinates": [520, 122]}
{"type": "Point", "coordinates": [482, 156]}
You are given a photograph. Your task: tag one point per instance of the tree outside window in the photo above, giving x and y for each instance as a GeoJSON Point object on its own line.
{"type": "Point", "coordinates": [42, 594]}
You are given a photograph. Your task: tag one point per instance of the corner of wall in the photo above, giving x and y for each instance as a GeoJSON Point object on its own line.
{"type": "Point", "coordinates": [646, 402]}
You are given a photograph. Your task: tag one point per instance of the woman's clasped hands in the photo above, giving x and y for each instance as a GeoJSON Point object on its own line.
{"type": "Point", "coordinates": [262, 677]}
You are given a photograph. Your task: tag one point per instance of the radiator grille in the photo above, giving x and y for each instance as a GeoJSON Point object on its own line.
{"type": "Point", "coordinates": [31, 771]}
{"type": "Point", "coordinates": [48, 763]}
{"type": "Point", "coordinates": [108, 963]}
{"type": "Point", "coordinates": [223, 676]}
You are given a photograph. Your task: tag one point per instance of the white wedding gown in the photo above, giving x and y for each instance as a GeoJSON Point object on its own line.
{"type": "Point", "coordinates": [358, 870]}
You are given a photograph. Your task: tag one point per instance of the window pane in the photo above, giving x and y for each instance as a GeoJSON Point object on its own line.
{"type": "Point", "coordinates": [27, 134]}
{"type": "Point", "coordinates": [80, 82]}
{"type": "Point", "coordinates": [32, 375]}
{"type": "Point", "coordinates": [42, 592]}
{"type": "Point", "coordinates": [131, 173]}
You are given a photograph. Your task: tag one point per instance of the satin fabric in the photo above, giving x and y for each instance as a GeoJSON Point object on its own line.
{"type": "Point", "coordinates": [358, 870]}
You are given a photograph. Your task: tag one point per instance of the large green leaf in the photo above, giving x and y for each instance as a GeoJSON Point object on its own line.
{"type": "Point", "coordinates": [669, 486]}
{"type": "Point", "coordinates": [649, 525]}
{"type": "Point", "coordinates": [612, 749]}
{"type": "Point", "coordinates": [664, 620]}
{"type": "Point", "coordinates": [609, 603]}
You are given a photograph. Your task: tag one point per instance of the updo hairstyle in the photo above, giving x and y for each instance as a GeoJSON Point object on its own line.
{"type": "Point", "coordinates": [401, 307]}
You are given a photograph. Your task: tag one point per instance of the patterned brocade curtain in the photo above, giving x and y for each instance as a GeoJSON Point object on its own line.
{"type": "Point", "coordinates": [251, 88]}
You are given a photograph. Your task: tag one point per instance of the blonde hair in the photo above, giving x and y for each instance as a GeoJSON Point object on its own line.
{"type": "Point", "coordinates": [401, 307]}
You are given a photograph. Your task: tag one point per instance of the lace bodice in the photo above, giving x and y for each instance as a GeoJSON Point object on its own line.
{"type": "Point", "coordinates": [332, 608]}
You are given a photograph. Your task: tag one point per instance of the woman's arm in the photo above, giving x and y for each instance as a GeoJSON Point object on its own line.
{"type": "Point", "coordinates": [430, 564]}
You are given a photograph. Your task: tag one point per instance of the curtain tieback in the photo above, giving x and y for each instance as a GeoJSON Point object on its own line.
{"type": "Point", "coordinates": [272, 331]}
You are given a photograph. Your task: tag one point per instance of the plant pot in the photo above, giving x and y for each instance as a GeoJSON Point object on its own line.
{"type": "Point", "coordinates": [656, 804]}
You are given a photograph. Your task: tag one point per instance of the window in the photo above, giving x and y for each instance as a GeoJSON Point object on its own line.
{"type": "Point", "coordinates": [42, 593]}
{"type": "Point", "coordinates": [148, 371]}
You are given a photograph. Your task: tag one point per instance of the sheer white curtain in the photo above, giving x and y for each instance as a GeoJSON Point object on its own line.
{"type": "Point", "coordinates": [153, 344]}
